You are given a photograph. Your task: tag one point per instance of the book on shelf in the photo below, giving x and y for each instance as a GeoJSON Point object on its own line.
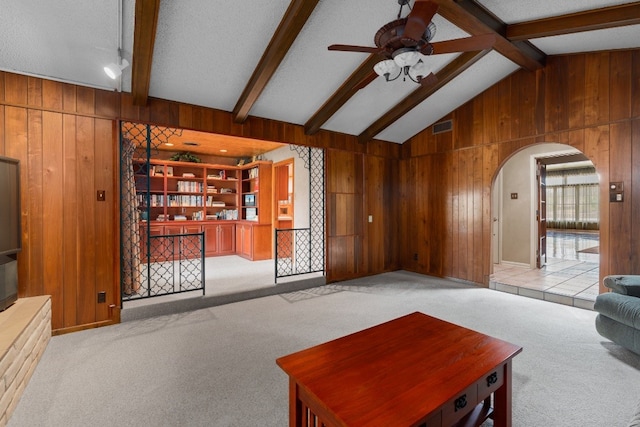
{"type": "Point", "coordinates": [188, 175]}
{"type": "Point", "coordinates": [179, 218]}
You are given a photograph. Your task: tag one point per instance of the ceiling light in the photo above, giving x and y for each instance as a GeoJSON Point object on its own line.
{"type": "Point", "coordinates": [223, 150]}
{"type": "Point", "coordinates": [387, 68]}
{"type": "Point", "coordinates": [114, 70]}
{"type": "Point", "coordinates": [418, 71]}
{"type": "Point", "coordinates": [169, 144]}
{"type": "Point", "coordinates": [406, 57]}
{"type": "Point", "coordinates": [406, 62]}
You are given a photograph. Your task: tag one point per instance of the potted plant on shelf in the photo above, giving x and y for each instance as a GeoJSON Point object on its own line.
{"type": "Point", "coordinates": [185, 156]}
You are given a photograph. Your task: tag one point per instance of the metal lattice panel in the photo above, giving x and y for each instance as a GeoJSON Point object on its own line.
{"type": "Point", "coordinates": [301, 251]}
{"type": "Point", "coordinates": [151, 265]}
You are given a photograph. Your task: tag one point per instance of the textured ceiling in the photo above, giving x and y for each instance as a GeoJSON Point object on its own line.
{"type": "Point", "coordinates": [207, 50]}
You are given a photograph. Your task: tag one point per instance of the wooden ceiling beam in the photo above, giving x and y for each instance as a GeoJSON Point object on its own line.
{"type": "Point", "coordinates": [290, 26]}
{"type": "Point", "coordinates": [363, 75]}
{"type": "Point", "coordinates": [474, 19]}
{"type": "Point", "coordinates": [144, 37]}
{"type": "Point", "coordinates": [596, 19]}
{"type": "Point", "coordinates": [444, 76]}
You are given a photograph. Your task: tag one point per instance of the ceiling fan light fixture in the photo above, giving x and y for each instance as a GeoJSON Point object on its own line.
{"type": "Point", "coordinates": [114, 70]}
{"type": "Point", "coordinates": [407, 57]}
{"type": "Point", "coordinates": [419, 71]}
{"type": "Point", "coordinates": [387, 68]}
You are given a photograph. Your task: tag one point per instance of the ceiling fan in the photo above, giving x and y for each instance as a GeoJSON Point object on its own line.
{"type": "Point", "coordinates": [402, 43]}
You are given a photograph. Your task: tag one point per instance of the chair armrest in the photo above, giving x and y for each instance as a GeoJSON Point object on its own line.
{"type": "Point", "coordinates": [624, 284]}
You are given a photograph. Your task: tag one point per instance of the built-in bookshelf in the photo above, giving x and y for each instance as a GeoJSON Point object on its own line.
{"type": "Point", "coordinates": [256, 198]}
{"type": "Point", "coordinates": [176, 191]}
{"type": "Point", "coordinates": [227, 203]}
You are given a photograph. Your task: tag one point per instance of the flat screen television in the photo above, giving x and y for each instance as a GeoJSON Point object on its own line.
{"type": "Point", "coordinates": [10, 230]}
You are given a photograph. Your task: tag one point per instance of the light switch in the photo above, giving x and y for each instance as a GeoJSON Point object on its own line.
{"type": "Point", "coordinates": [101, 196]}
{"type": "Point", "coordinates": [370, 218]}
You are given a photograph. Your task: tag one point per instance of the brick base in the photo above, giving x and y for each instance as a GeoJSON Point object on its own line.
{"type": "Point", "coordinates": [25, 330]}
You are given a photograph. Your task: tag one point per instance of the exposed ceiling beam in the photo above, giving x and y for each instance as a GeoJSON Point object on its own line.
{"type": "Point", "coordinates": [596, 19]}
{"type": "Point", "coordinates": [292, 22]}
{"type": "Point", "coordinates": [363, 75]}
{"type": "Point", "coordinates": [448, 73]}
{"type": "Point", "coordinates": [474, 19]}
{"type": "Point", "coordinates": [144, 37]}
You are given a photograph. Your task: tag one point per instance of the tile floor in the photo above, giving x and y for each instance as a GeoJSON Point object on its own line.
{"type": "Point", "coordinates": [570, 277]}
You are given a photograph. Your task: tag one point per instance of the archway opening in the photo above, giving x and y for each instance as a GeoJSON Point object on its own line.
{"type": "Point", "coordinates": [545, 212]}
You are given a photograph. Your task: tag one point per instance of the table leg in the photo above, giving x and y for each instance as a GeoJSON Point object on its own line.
{"type": "Point", "coordinates": [502, 400]}
{"type": "Point", "coordinates": [295, 406]}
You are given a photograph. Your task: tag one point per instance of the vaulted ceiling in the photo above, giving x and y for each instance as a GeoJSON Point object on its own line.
{"type": "Point", "coordinates": [269, 58]}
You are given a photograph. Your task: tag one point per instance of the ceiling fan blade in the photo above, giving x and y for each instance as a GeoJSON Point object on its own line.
{"type": "Point", "coordinates": [417, 21]}
{"type": "Point", "coordinates": [429, 80]}
{"type": "Point", "coordinates": [467, 44]}
{"type": "Point", "coordinates": [350, 48]}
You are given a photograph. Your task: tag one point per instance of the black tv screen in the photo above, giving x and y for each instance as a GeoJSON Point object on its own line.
{"type": "Point", "coordinates": [10, 231]}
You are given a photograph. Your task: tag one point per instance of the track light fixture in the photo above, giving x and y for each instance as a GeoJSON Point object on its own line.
{"type": "Point", "coordinates": [114, 70]}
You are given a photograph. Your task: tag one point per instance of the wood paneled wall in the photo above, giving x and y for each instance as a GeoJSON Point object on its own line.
{"type": "Point", "coordinates": [360, 187]}
{"type": "Point", "coordinates": [66, 139]}
{"type": "Point", "coordinates": [588, 101]}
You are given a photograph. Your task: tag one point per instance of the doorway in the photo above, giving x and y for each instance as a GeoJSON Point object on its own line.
{"type": "Point", "coordinates": [544, 245]}
{"type": "Point", "coordinates": [150, 195]}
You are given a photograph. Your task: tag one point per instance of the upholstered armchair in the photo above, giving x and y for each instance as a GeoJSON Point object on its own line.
{"type": "Point", "coordinates": [619, 311]}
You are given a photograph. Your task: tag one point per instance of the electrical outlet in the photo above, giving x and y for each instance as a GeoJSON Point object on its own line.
{"type": "Point", "coordinates": [102, 297]}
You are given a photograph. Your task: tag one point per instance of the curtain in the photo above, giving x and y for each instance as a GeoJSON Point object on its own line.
{"type": "Point", "coordinates": [573, 199]}
{"type": "Point", "coordinates": [131, 277]}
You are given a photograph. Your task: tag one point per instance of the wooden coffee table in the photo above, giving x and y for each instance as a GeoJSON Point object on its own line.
{"type": "Point", "coordinates": [412, 371]}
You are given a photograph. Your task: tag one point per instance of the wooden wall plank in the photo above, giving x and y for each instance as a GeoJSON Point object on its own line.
{"type": "Point", "coordinates": [34, 91]}
{"type": "Point", "coordinates": [489, 168]}
{"type": "Point", "coordinates": [35, 192]}
{"type": "Point", "coordinates": [2, 76]}
{"type": "Point", "coordinates": [86, 165]}
{"type": "Point", "coordinates": [556, 96]}
{"type": "Point", "coordinates": [620, 84]}
{"type": "Point", "coordinates": [576, 85]}
{"type": "Point", "coordinates": [2, 129]}
{"type": "Point", "coordinates": [16, 89]}
{"type": "Point", "coordinates": [596, 147]}
{"type": "Point", "coordinates": [70, 219]}
{"type": "Point", "coordinates": [52, 95]}
{"type": "Point", "coordinates": [596, 90]}
{"type": "Point", "coordinates": [85, 100]}
{"type": "Point", "coordinates": [16, 136]}
{"type": "Point", "coordinates": [374, 237]}
{"type": "Point", "coordinates": [53, 196]}
{"type": "Point", "coordinates": [107, 103]}
{"type": "Point", "coordinates": [635, 83]}
{"type": "Point", "coordinates": [105, 153]}
{"type": "Point", "coordinates": [69, 98]}
{"type": "Point", "coordinates": [477, 214]}
{"type": "Point", "coordinates": [620, 224]}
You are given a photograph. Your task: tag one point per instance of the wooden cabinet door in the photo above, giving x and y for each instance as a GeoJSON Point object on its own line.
{"type": "Point", "coordinates": [172, 245]}
{"type": "Point", "coordinates": [244, 237]}
{"type": "Point", "coordinates": [191, 245]}
{"type": "Point", "coordinates": [210, 239]}
{"type": "Point", "coordinates": [226, 239]}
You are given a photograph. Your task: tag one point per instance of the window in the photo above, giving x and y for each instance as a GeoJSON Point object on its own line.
{"type": "Point", "coordinates": [573, 199]}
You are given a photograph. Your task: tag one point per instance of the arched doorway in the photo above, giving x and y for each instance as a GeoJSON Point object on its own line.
{"type": "Point", "coordinates": [569, 273]}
